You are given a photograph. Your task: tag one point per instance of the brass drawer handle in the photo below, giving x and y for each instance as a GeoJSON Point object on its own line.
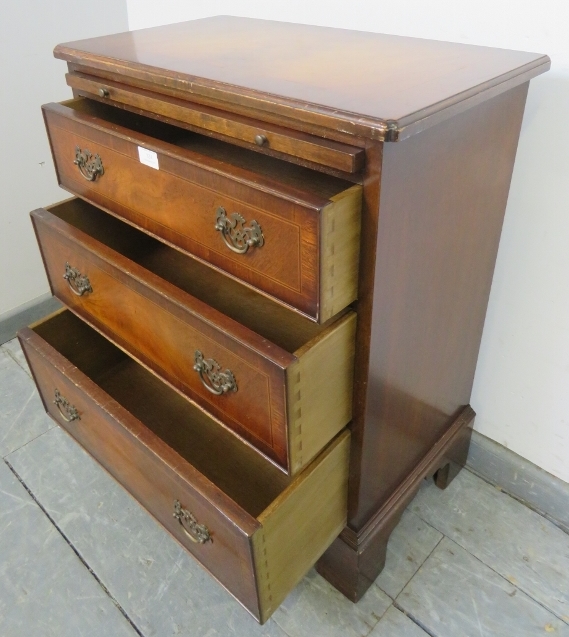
{"type": "Point", "coordinates": [79, 283]}
{"type": "Point", "coordinates": [198, 533]}
{"type": "Point", "coordinates": [237, 237]}
{"type": "Point", "coordinates": [90, 166]}
{"type": "Point", "coordinates": [213, 379]}
{"type": "Point", "coordinates": [68, 411]}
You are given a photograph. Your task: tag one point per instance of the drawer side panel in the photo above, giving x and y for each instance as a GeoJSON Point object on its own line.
{"type": "Point", "coordinates": [320, 391]}
{"type": "Point", "coordinates": [302, 522]}
{"type": "Point", "coordinates": [340, 250]}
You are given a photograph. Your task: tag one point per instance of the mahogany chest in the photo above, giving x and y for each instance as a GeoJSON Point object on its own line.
{"type": "Point", "coordinates": [275, 271]}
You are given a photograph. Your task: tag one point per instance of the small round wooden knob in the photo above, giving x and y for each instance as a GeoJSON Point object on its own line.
{"type": "Point", "coordinates": [104, 92]}
{"type": "Point", "coordinates": [260, 140]}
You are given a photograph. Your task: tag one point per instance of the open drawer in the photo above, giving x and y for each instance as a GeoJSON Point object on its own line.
{"type": "Point", "coordinates": [288, 231]}
{"type": "Point", "coordinates": [255, 529]}
{"type": "Point", "coordinates": [278, 380]}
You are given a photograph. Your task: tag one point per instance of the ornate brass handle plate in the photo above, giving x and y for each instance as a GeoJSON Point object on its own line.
{"type": "Point", "coordinates": [68, 411]}
{"type": "Point", "coordinates": [213, 379]}
{"type": "Point", "coordinates": [79, 283]}
{"type": "Point", "coordinates": [90, 166]}
{"type": "Point", "coordinates": [238, 238]}
{"type": "Point", "coordinates": [198, 533]}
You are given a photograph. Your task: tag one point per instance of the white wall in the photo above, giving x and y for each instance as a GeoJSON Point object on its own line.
{"type": "Point", "coordinates": [521, 390]}
{"type": "Point", "coordinates": [31, 77]}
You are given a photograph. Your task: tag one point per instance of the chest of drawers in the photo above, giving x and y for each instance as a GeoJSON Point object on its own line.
{"type": "Point", "coordinates": [275, 273]}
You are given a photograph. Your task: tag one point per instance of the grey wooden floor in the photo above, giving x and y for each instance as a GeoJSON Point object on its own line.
{"type": "Point", "coordinates": [79, 557]}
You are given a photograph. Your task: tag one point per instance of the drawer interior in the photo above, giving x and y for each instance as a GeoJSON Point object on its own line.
{"type": "Point", "coordinates": [283, 172]}
{"type": "Point", "coordinates": [281, 326]}
{"type": "Point", "coordinates": [248, 479]}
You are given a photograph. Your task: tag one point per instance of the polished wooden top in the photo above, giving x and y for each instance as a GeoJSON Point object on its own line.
{"type": "Point", "coordinates": [383, 86]}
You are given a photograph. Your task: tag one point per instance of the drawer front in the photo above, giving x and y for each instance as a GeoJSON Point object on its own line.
{"type": "Point", "coordinates": [164, 332]}
{"type": "Point", "coordinates": [136, 459]}
{"type": "Point", "coordinates": [268, 240]}
{"type": "Point", "coordinates": [258, 559]}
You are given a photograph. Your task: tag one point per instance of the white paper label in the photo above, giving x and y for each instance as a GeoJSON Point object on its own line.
{"type": "Point", "coordinates": [148, 157]}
